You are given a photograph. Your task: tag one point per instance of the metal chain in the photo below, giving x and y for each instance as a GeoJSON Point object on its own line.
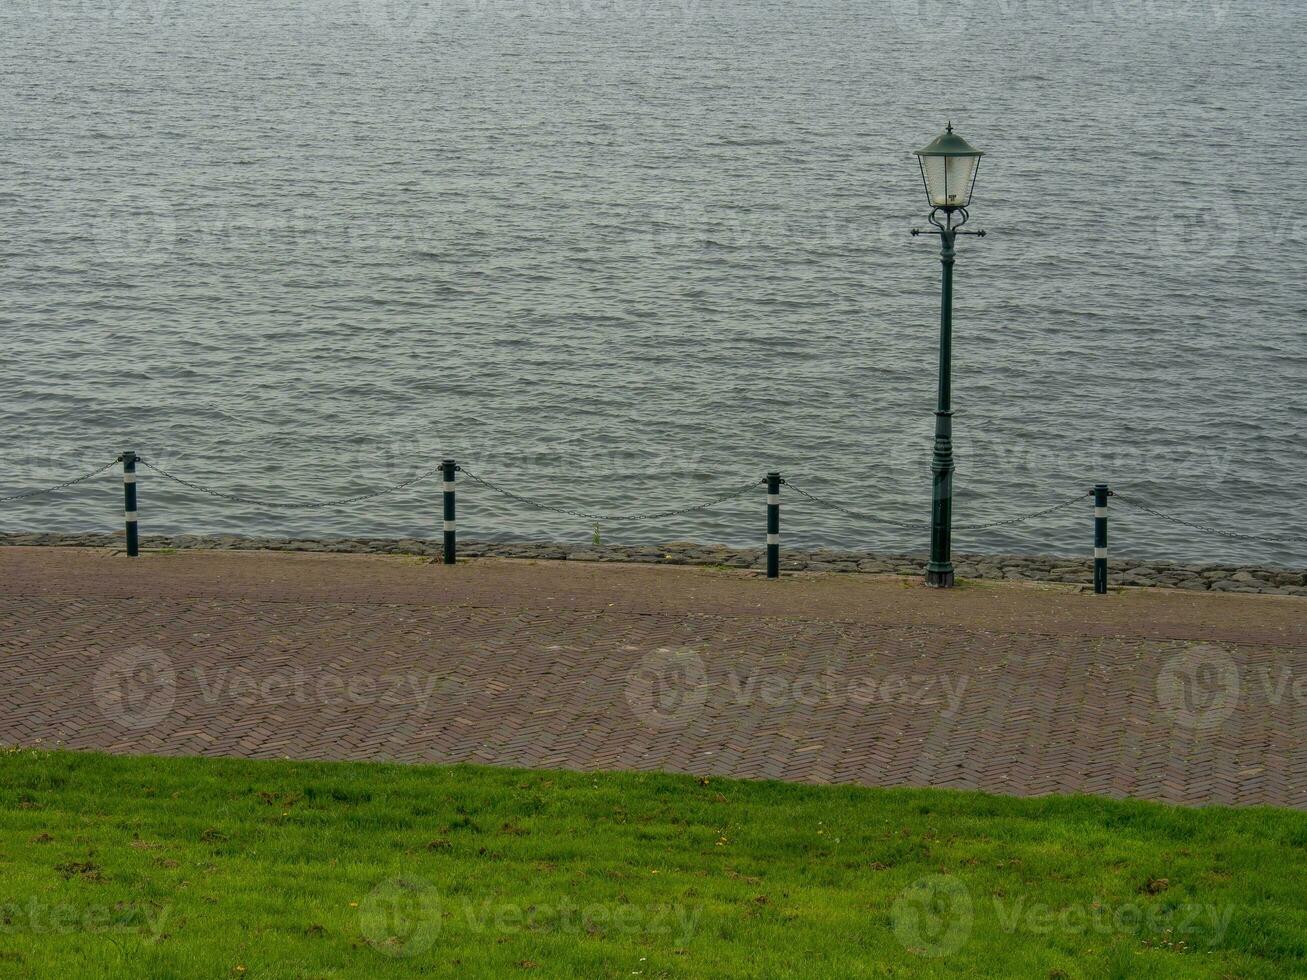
{"type": "Point", "coordinates": [61, 486]}
{"type": "Point", "coordinates": [482, 481]}
{"type": "Point", "coordinates": [730, 495]}
{"type": "Point", "coordinates": [1025, 517]}
{"type": "Point", "coordinates": [925, 525]}
{"type": "Point", "coordinates": [1202, 527]}
{"type": "Point", "coordinates": [912, 526]}
{"type": "Point", "coordinates": [290, 506]}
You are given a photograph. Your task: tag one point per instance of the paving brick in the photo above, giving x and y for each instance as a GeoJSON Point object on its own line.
{"type": "Point", "coordinates": [1016, 690]}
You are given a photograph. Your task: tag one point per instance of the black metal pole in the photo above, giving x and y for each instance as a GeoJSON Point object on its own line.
{"type": "Point", "coordinates": [129, 503]}
{"type": "Point", "coordinates": [449, 469]}
{"type": "Point", "coordinates": [939, 572]}
{"type": "Point", "coordinates": [773, 525]}
{"type": "Point", "coordinates": [1100, 538]}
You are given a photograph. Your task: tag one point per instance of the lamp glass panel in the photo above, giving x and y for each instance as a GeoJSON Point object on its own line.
{"type": "Point", "coordinates": [948, 180]}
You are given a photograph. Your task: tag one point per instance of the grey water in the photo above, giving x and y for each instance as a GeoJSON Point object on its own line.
{"type": "Point", "coordinates": [623, 255]}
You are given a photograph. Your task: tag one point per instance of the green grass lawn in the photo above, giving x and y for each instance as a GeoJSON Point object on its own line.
{"type": "Point", "coordinates": [191, 868]}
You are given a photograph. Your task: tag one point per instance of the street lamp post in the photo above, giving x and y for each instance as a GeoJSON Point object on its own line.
{"type": "Point", "coordinates": [948, 171]}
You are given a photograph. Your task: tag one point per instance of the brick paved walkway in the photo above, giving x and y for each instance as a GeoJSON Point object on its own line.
{"type": "Point", "coordinates": [1190, 698]}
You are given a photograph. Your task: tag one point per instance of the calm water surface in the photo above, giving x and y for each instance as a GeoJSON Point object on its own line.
{"type": "Point", "coordinates": [620, 255]}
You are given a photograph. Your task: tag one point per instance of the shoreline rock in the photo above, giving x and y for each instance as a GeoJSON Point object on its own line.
{"type": "Point", "coordinates": [1073, 570]}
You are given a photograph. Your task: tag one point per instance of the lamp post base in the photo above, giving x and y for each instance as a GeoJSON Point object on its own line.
{"type": "Point", "coordinates": [940, 578]}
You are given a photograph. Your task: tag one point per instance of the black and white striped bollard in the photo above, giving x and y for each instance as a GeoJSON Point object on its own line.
{"type": "Point", "coordinates": [129, 503]}
{"type": "Point", "coordinates": [773, 525]}
{"type": "Point", "coordinates": [1100, 538]}
{"type": "Point", "coordinates": [449, 469]}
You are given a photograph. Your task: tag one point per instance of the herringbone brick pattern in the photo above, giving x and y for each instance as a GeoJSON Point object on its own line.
{"type": "Point", "coordinates": [1024, 708]}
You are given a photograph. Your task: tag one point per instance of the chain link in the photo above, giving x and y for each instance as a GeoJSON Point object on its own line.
{"type": "Point", "coordinates": [925, 525]}
{"type": "Point", "coordinates": [1202, 527]}
{"type": "Point", "coordinates": [733, 494]}
{"type": "Point", "coordinates": [61, 486]}
{"type": "Point", "coordinates": [235, 498]}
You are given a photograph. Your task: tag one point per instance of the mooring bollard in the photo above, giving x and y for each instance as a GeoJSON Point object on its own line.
{"type": "Point", "coordinates": [449, 469]}
{"type": "Point", "coordinates": [1100, 538]}
{"type": "Point", "coordinates": [773, 525]}
{"type": "Point", "coordinates": [129, 503]}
